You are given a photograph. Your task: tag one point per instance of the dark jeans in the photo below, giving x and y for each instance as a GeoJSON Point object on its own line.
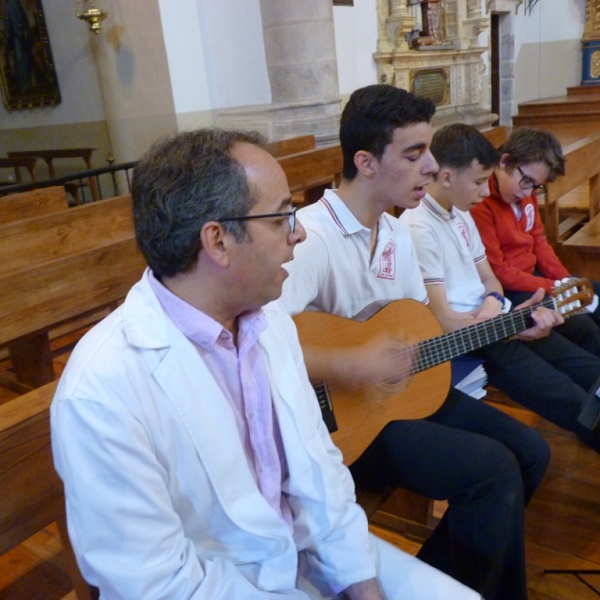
{"type": "Point", "coordinates": [487, 465]}
{"type": "Point", "coordinates": [550, 376]}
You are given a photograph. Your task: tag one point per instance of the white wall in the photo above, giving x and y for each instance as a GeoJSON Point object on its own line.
{"type": "Point", "coordinates": [355, 42]}
{"type": "Point", "coordinates": [548, 49]}
{"type": "Point", "coordinates": [216, 53]}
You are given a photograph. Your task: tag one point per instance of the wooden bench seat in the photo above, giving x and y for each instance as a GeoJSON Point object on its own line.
{"type": "Point", "coordinates": [32, 493]}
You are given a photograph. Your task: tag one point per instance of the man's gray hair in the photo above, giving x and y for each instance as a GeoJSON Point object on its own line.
{"type": "Point", "coordinates": [181, 183]}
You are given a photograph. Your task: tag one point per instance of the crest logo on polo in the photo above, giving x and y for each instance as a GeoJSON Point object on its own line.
{"type": "Point", "coordinates": [465, 234]}
{"type": "Point", "coordinates": [529, 216]}
{"type": "Point", "coordinates": [387, 264]}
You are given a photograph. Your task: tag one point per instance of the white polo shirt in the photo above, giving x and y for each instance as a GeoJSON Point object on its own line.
{"type": "Point", "coordinates": [449, 248]}
{"type": "Point", "coordinates": [332, 270]}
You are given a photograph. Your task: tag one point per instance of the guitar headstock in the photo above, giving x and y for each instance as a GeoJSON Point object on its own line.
{"type": "Point", "coordinates": [573, 295]}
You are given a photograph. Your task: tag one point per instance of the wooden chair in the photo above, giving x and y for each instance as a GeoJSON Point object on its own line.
{"type": "Point", "coordinates": [32, 493]}
{"type": "Point", "coordinates": [49, 156]}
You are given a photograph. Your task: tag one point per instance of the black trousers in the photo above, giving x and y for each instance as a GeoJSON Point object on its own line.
{"type": "Point", "coordinates": [551, 376]}
{"type": "Point", "coordinates": [583, 329]}
{"type": "Point", "coordinates": [487, 465]}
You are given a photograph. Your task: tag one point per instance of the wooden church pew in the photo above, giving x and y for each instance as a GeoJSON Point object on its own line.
{"type": "Point", "coordinates": [55, 269]}
{"type": "Point", "coordinates": [310, 173]}
{"type": "Point", "coordinates": [291, 146]}
{"type": "Point", "coordinates": [36, 203]}
{"type": "Point", "coordinates": [32, 493]}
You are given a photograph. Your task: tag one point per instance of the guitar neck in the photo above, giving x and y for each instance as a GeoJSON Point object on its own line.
{"type": "Point", "coordinates": [439, 349]}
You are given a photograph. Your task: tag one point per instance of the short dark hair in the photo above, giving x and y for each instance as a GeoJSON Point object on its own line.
{"type": "Point", "coordinates": [458, 145]}
{"type": "Point", "coordinates": [526, 146]}
{"type": "Point", "coordinates": [181, 183]}
{"type": "Point", "coordinates": [371, 116]}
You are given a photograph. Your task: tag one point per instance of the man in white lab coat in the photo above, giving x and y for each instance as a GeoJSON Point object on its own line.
{"type": "Point", "coordinates": [195, 460]}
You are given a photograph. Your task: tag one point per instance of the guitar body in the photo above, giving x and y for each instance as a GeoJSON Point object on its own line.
{"type": "Point", "coordinates": [362, 413]}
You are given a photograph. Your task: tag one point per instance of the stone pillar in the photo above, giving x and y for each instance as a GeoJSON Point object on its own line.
{"type": "Point", "coordinates": [302, 67]}
{"type": "Point", "coordinates": [506, 9]}
{"type": "Point", "coordinates": [134, 77]}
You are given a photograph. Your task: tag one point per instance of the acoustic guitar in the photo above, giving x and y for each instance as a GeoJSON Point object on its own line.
{"type": "Point", "coordinates": [360, 414]}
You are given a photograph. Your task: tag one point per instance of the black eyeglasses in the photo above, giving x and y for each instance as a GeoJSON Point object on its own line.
{"type": "Point", "coordinates": [291, 215]}
{"type": "Point", "coordinates": [526, 183]}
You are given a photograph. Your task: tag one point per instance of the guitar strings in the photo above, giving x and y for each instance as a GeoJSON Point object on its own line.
{"type": "Point", "coordinates": [445, 347]}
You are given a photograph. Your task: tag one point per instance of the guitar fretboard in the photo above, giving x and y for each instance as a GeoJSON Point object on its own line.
{"type": "Point", "coordinates": [439, 349]}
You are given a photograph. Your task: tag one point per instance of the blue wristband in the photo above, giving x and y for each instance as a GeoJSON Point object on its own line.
{"type": "Point", "coordinates": [498, 297]}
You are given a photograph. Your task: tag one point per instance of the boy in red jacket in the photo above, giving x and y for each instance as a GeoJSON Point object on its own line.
{"type": "Point", "coordinates": [512, 231]}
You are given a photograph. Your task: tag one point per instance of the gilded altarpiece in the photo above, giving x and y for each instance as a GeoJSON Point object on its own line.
{"type": "Point", "coordinates": [591, 44]}
{"type": "Point", "coordinates": [449, 71]}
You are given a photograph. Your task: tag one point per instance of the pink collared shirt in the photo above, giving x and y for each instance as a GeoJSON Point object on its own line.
{"type": "Point", "coordinates": [241, 375]}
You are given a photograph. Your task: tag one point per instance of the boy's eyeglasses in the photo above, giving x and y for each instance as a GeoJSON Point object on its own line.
{"type": "Point", "coordinates": [526, 183]}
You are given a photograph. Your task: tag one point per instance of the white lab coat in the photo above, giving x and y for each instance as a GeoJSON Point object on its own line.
{"type": "Point", "coordinates": [160, 500]}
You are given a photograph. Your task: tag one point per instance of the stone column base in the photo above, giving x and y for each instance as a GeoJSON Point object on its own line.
{"type": "Point", "coordinates": [478, 117]}
{"type": "Point", "coordinates": [279, 122]}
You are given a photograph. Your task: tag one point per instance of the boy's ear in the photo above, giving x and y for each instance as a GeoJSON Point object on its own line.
{"type": "Point", "coordinates": [366, 163]}
{"type": "Point", "coordinates": [445, 176]}
{"type": "Point", "coordinates": [503, 162]}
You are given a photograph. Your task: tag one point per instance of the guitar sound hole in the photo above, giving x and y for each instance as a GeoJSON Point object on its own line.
{"type": "Point", "coordinates": [394, 385]}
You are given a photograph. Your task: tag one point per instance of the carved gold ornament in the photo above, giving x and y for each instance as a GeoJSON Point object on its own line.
{"type": "Point", "coordinates": [595, 64]}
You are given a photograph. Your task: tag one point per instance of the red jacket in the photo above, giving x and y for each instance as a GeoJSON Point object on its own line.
{"type": "Point", "coordinates": [515, 248]}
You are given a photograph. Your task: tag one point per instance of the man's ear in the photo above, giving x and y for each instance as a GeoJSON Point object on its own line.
{"type": "Point", "coordinates": [215, 243]}
{"type": "Point", "coordinates": [366, 163]}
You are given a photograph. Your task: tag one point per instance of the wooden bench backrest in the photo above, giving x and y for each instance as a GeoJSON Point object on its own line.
{"type": "Point", "coordinates": [312, 171]}
{"type": "Point", "coordinates": [37, 203]}
{"type": "Point", "coordinates": [581, 166]}
{"type": "Point", "coordinates": [38, 240]}
{"type": "Point", "coordinates": [313, 167]}
{"type": "Point", "coordinates": [291, 146]}
{"type": "Point", "coordinates": [54, 292]}
{"type": "Point", "coordinates": [496, 135]}
{"type": "Point", "coordinates": [65, 265]}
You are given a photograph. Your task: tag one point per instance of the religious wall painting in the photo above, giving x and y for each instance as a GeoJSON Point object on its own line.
{"type": "Point", "coordinates": [27, 74]}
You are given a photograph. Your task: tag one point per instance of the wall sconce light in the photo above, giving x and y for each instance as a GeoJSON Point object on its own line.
{"type": "Point", "coordinates": [88, 11]}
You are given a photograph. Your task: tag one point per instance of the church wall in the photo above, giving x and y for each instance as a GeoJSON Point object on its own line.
{"type": "Point", "coordinates": [355, 43]}
{"type": "Point", "coordinates": [548, 49]}
{"type": "Point", "coordinates": [216, 57]}
{"type": "Point", "coordinates": [79, 120]}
